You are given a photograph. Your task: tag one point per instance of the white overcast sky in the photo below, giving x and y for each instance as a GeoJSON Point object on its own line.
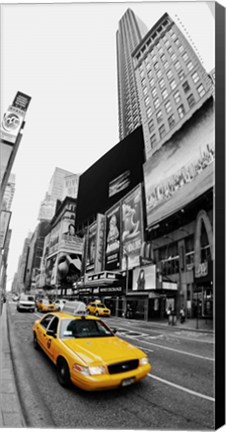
{"type": "Point", "coordinates": [64, 57]}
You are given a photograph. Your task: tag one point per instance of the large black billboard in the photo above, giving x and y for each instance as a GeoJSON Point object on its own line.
{"type": "Point", "coordinates": [111, 177]}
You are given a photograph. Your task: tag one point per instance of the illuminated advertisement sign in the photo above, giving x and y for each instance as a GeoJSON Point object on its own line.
{"type": "Point", "coordinates": [144, 278]}
{"type": "Point", "coordinates": [132, 228]}
{"type": "Point", "coordinates": [69, 240]}
{"type": "Point", "coordinates": [14, 117]}
{"type": "Point", "coordinates": [91, 248]}
{"type": "Point", "coordinates": [112, 249]}
{"type": "Point", "coordinates": [99, 242]}
{"type": "Point", "coordinates": [4, 223]}
{"type": "Point", "coordinates": [120, 183]}
{"type": "Point", "coordinates": [182, 169]}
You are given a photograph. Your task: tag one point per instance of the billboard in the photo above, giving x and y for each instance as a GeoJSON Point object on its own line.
{"type": "Point", "coordinates": [100, 243]}
{"type": "Point", "coordinates": [111, 177]}
{"type": "Point", "coordinates": [182, 169]}
{"type": "Point", "coordinates": [14, 117]}
{"type": "Point", "coordinates": [112, 241]}
{"type": "Point", "coordinates": [91, 248]}
{"type": "Point", "coordinates": [132, 228]}
{"type": "Point", "coordinates": [144, 278]}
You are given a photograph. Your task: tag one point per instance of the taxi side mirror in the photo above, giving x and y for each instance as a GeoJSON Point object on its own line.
{"type": "Point", "coordinates": [51, 333]}
{"type": "Point", "coordinates": [114, 330]}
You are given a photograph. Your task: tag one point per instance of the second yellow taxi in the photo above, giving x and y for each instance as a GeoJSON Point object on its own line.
{"type": "Point", "coordinates": [87, 352]}
{"type": "Point", "coordinates": [44, 305]}
{"type": "Point", "coordinates": [98, 309]}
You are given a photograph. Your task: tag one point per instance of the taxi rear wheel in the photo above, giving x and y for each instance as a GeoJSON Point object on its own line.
{"type": "Point", "coordinates": [63, 374]}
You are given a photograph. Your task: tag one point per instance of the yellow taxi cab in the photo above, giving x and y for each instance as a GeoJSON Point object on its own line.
{"type": "Point", "coordinates": [87, 352]}
{"type": "Point", "coordinates": [44, 305]}
{"type": "Point", "coordinates": [99, 309]}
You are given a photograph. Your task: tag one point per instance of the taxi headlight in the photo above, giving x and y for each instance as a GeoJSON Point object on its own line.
{"type": "Point", "coordinates": [81, 369]}
{"type": "Point", "coordinates": [143, 361]}
{"type": "Point", "coordinates": [96, 370]}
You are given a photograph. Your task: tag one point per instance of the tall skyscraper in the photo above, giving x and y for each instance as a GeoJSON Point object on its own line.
{"type": "Point", "coordinates": [171, 81]}
{"type": "Point", "coordinates": [129, 35]}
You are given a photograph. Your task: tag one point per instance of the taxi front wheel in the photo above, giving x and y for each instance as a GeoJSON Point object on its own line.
{"type": "Point", "coordinates": [63, 374]}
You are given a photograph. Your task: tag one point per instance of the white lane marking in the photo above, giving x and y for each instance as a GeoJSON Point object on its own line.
{"type": "Point", "coordinates": [182, 388]}
{"type": "Point", "coordinates": [175, 350]}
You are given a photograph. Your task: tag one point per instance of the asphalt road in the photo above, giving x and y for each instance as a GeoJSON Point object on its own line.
{"type": "Point", "coordinates": [177, 394]}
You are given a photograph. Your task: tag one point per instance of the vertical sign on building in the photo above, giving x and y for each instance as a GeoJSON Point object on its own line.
{"type": "Point", "coordinates": [99, 243]}
{"type": "Point", "coordinates": [91, 248]}
{"type": "Point", "coordinates": [132, 228]}
{"type": "Point", "coordinates": [14, 117]}
{"type": "Point", "coordinates": [112, 249]}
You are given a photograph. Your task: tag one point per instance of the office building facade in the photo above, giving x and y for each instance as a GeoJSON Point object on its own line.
{"type": "Point", "coordinates": [129, 35]}
{"type": "Point", "coordinates": [171, 81]}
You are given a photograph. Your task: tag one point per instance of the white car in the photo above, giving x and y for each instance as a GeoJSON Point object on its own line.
{"type": "Point", "coordinates": [26, 302]}
{"type": "Point", "coordinates": [60, 304]}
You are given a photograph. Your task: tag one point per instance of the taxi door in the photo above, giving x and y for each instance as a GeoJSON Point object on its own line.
{"type": "Point", "coordinates": [51, 346]}
{"type": "Point", "coordinates": [42, 328]}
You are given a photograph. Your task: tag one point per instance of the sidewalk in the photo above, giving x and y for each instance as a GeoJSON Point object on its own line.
{"type": "Point", "coordinates": [10, 411]}
{"type": "Point", "coordinates": [190, 324]}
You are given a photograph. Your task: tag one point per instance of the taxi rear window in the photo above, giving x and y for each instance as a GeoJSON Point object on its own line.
{"type": "Point", "coordinates": [83, 329]}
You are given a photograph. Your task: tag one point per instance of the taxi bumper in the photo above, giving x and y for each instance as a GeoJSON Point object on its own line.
{"type": "Point", "coordinates": [108, 381]}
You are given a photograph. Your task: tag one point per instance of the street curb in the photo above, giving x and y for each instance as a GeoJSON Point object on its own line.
{"type": "Point", "coordinates": [182, 328]}
{"type": "Point", "coordinates": [35, 414]}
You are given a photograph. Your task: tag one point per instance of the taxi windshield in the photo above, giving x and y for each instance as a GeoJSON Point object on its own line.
{"type": "Point", "coordinates": [83, 328]}
{"type": "Point", "coordinates": [101, 305]}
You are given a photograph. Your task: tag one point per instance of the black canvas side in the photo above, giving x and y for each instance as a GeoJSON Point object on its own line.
{"type": "Point", "coordinates": [220, 218]}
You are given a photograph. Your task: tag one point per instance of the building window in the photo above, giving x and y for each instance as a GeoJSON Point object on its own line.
{"type": "Point", "coordinates": [145, 90]}
{"type": "Point", "coordinates": [180, 48]}
{"type": "Point", "coordinates": [173, 84]}
{"type": "Point", "coordinates": [161, 83]}
{"type": "Point", "coordinates": [162, 130]}
{"type": "Point", "coordinates": [201, 90]}
{"type": "Point", "coordinates": [181, 75]}
{"type": "Point", "coordinates": [147, 100]}
{"type": "Point", "coordinates": [148, 66]}
{"type": "Point", "coordinates": [190, 65]}
{"type": "Point", "coordinates": [151, 126]}
{"type": "Point", "coordinates": [169, 256]}
{"type": "Point", "coordinates": [159, 116]}
{"type": "Point", "coordinates": [163, 58]}
{"type": "Point", "coordinates": [160, 50]}
{"type": "Point", "coordinates": [170, 50]}
{"type": "Point", "coordinates": [195, 77]}
{"type": "Point", "coordinates": [149, 74]}
{"type": "Point", "coordinates": [173, 36]}
{"type": "Point", "coordinates": [171, 121]}
{"type": "Point", "coordinates": [191, 100]}
{"type": "Point", "coordinates": [168, 106]}
{"type": "Point", "coordinates": [153, 140]}
{"type": "Point", "coordinates": [177, 42]}
{"type": "Point", "coordinates": [164, 93]}
{"type": "Point", "coordinates": [177, 97]}
{"type": "Point", "coordinates": [181, 111]}
{"type": "Point", "coordinates": [166, 64]}
{"type": "Point", "coordinates": [159, 73]}
{"type": "Point", "coordinates": [169, 74]}
{"type": "Point", "coordinates": [167, 43]}
{"type": "Point", "coordinates": [156, 103]}
{"type": "Point", "coordinates": [143, 82]}
{"type": "Point", "coordinates": [185, 56]}
{"type": "Point", "coordinates": [152, 82]}
{"type": "Point", "coordinates": [177, 65]}
{"type": "Point", "coordinates": [142, 74]}
{"type": "Point", "coordinates": [156, 65]}
{"type": "Point", "coordinates": [186, 87]}
{"type": "Point", "coordinates": [154, 92]}
{"type": "Point", "coordinates": [149, 112]}
{"type": "Point", "coordinates": [173, 56]}
{"type": "Point", "coordinates": [154, 58]}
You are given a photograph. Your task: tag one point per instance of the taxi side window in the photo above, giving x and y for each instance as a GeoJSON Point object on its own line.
{"type": "Point", "coordinates": [54, 324]}
{"type": "Point", "coordinates": [45, 322]}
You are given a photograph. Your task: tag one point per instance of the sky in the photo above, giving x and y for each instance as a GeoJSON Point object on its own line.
{"type": "Point", "coordinates": [64, 57]}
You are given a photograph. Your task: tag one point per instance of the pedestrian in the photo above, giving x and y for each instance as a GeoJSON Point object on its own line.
{"type": "Point", "coordinates": [169, 313]}
{"type": "Point", "coordinates": [182, 315]}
